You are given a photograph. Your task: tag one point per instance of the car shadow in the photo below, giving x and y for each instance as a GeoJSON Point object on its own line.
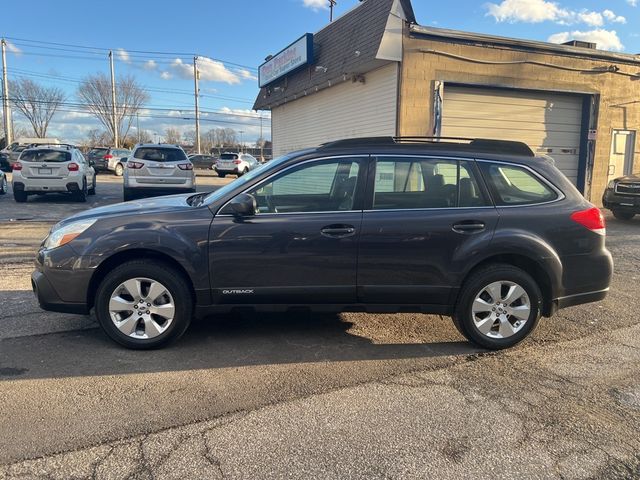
{"type": "Point", "coordinates": [214, 343]}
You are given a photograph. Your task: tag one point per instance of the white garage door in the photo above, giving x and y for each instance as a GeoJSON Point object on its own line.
{"type": "Point", "coordinates": [548, 122]}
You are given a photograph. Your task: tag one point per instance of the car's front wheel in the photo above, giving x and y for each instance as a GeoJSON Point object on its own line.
{"type": "Point", "coordinates": [498, 307]}
{"type": "Point", "coordinates": [144, 304]}
{"type": "Point", "coordinates": [622, 215]}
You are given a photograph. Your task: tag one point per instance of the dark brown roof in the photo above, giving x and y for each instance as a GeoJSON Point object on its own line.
{"type": "Point", "coordinates": [335, 47]}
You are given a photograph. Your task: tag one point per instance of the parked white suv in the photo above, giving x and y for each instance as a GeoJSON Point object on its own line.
{"type": "Point", "coordinates": [156, 169]}
{"type": "Point", "coordinates": [235, 163]}
{"type": "Point", "coordinates": [52, 169]}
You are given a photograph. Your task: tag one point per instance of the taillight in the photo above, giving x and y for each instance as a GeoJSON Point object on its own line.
{"type": "Point", "coordinates": [16, 166]}
{"type": "Point", "coordinates": [73, 167]}
{"type": "Point", "coordinates": [592, 219]}
{"type": "Point", "coordinates": [185, 166]}
{"type": "Point", "coordinates": [107, 157]}
{"type": "Point", "coordinates": [135, 165]}
{"type": "Point", "coordinates": [237, 162]}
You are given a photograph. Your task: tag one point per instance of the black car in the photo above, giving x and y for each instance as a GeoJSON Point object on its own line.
{"type": "Point", "coordinates": [202, 161]}
{"type": "Point", "coordinates": [5, 163]}
{"type": "Point", "coordinates": [622, 196]}
{"type": "Point", "coordinates": [482, 230]}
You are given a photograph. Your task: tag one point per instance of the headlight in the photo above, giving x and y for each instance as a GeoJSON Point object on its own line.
{"type": "Point", "coordinates": [612, 184]}
{"type": "Point", "coordinates": [65, 234]}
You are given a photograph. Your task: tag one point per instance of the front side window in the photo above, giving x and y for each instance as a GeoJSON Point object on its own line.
{"type": "Point", "coordinates": [324, 186]}
{"type": "Point", "coordinates": [410, 183]}
{"type": "Point", "coordinates": [513, 185]}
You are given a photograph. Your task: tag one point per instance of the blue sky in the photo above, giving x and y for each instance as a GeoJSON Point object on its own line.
{"type": "Point", "coordinates": [235, 36]}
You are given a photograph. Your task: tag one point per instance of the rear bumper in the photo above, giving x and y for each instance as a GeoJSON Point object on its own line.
{"type": "Point", "coordinates": [227, 171]}
{"type": "Point", "coordinates": [580, 298]}
{"type": "Point", "coordinates": [38, 187]}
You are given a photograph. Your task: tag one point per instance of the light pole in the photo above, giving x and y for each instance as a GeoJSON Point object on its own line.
{"type": "Point", "coordinates": [241, 144]}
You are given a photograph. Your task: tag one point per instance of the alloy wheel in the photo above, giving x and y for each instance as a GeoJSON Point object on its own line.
{"type": "Point", "coordinates": [142, 308]}
{"type": "Point", "coordinates": [501, 309]}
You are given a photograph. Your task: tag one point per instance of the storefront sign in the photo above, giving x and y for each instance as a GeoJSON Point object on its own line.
{"type": "Point", "coordinates": [296, 55]}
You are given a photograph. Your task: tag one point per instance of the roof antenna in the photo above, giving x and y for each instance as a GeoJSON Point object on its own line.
{"type": "Point", "coordinates": [332, 3]}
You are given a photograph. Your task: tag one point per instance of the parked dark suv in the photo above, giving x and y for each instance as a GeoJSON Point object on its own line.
{"type": "Point", "coordinates": [480, 230]}
{"type": "Point", "coordinates": [622, 196]}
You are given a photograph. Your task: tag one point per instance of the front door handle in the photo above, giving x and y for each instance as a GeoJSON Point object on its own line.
{"type": "Point", "coordinates": [338, 231]}
{"type": "Point", "coordinates": [469, 226]}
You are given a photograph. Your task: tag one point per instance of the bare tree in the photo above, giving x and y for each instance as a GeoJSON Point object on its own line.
{"type": "Point", "coordinates": [95, 138]}
{"type": "Point", "coordinates": [37, 103]}
{"type": "Point", "coordinates": [95, 93]}
{"type": "Point", "coordinates": [172, 135]}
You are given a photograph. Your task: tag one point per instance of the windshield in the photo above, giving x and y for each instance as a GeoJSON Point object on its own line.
{"type": "Point", "coordinates": [247, 177]}
{"type": "Point", "coordinates": [160, 154]}
{"type": "Point", "coordinates": [43, 155]}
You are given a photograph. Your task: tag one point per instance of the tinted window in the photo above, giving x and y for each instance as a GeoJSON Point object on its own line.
{"type": "Point", "coordinates": [160, 154]}
{"type": "Point", "coordinates": [43, 155]}
{"type": "Point", "coordinates": [97, 152]}
{"type": "Point", "coordinates": [319, 187]}
{"type": "Point", "coordinates": [516, 185]}
{"type": "Point", "coordinates": [407, 183]}
{"type": "Point", "coordinates": [228, 156]}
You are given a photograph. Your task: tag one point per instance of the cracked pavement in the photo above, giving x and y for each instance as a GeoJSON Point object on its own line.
{"type": "Point", "coordinates": [328, 396]}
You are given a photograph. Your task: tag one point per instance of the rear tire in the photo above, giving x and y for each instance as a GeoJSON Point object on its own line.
{"type": "Point", "coordinates": [222, 175]}
{"type": "Point", "coordinates": [152, 272]}
{"type": "Point", "coordinates": [500, 330]}
{"type": "Point", "coordinates": [128, 194]}
{"type": "Point", "coordinates": [81, 195]}
{"type": "Point", "coordinates": [20, 197]}
{"type": "Point", "coordinates": [119, 170]}
{"type": "Point", "coordinates": [620, 215]}
{"type": "Point", "coordinates": [244, 172]}
{"type": "Point", "coordinates": [92, 190]}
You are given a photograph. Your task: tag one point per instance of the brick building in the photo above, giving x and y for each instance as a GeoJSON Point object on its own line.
{"type": "Point", "coordinates": [374, 71]}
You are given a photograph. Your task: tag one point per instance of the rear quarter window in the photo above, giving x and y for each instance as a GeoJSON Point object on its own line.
{"type": "Point", "coordinates": [513, 185]}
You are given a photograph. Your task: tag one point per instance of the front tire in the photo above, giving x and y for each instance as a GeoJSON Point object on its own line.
{"type": "Point", "coordinates": [144, 304]}
{"type": "Point", "coordinates": [621, 215]}
{"type": "Point", "coordinates": [222, 175]}
{"type": "Point", "coordinates": [498, 307]}
{"type": "Point", "coordinates": [119, 170]}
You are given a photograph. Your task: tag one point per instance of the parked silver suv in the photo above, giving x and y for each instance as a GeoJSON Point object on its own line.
{"type": "Point", "coordinates": [157, 169]}
{"type": "Point", "coordinates": [235, 164]}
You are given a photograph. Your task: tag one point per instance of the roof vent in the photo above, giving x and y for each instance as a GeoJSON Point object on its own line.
{"type": "Point", "coordinates": [581, 44]}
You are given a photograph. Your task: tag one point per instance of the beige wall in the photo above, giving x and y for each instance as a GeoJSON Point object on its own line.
{"type": "Point", "coordinates": [421, 70]}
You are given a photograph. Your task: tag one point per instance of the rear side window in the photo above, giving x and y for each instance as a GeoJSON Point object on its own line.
{"type": "Point", "coordinates": [42, 155]}
{"type": "Point", "coordinates": [411, 183]}
{"type": "Point", "coordinates": [514, 185]}
{"type": "Point", "coordinates": [160, 154]}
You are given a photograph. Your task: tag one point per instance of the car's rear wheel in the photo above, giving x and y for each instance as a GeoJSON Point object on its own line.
{"type": "Point", "coordinates": [498, 307]}
{"type": "Point", "coordinates": [92, 190]}
{"type": "Point", "coordinates": [222, 175]}
{"type": "Point", "coordinates": [243, 172]}
{"type": "Point", "coordinates": [119, 170]}
{"type": "Point", "coordinates": [81, 195]}
{"type": "Point", "coordinates": [4, 188]}
{"type": "Point", "coordinates": [20, 197]}
{"type": "Point", "coordinates": [144, 304]}
{"type": "Point", "coordinates": [128, 194]}
{"type": "Point", "coordinates": [622, 215]}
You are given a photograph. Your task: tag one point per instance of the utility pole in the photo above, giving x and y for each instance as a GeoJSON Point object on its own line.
{"type": "Point", "coordinates": [332, 3]}
{"type": "Point", "coordinates": [241, 145]}
{"type": "Point", "coordinates": [6, 111]}
{"type": "Point", "coordinates": [196, 76]}
{"type": "Point", "coordinates": [113, 102]}
{"type": "Point", "coordinates": [261, 142]}
{"type": "Point", "coordinates": [138, 127]}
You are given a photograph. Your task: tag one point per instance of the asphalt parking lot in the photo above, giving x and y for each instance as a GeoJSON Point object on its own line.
{"type": "Point", "coordinates": [313, 396]}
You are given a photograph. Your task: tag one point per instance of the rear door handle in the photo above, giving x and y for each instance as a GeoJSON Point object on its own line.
{"type": "Point", "coordinates": [469, 226]}
{"type": "Point", "coordinates": [338, 231]}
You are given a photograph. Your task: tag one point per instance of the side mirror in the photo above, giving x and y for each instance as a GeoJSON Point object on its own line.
{"type": "Point", "coordinates": [244, 205]}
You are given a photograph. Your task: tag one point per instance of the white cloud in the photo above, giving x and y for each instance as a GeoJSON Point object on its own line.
{"type": "Point", "coordinates": [150, 65]}
{"type": "Point", "coordinates": [633, 3]}
{"type": "Point", "coordinates": [316, 4]}
{"type": "Point", "coordinates": [123, 55]}
{"type": "Point", "coordinates": [13, 49]}
{"type": "Point", "coordinates": [593, 19]}
{"type": "Point", "coordinates": [537, 11]}
{"type": "Point", "coordinates": [613, 18]}
{"type": "Point", "coordinates": [604, 39]}
{"type": "Point", "coordinates": [210, 70]}
{"type": "Point", "coordinates": [530, 11]}
{"type": "Point", "coordinates": [246, 74]}
{"type": "Point", "coordinates": [166, 75]}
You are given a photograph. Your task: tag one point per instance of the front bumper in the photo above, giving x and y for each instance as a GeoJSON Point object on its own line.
{"type": "Point", "coordinates": [615, 201]}
{"type": "Point", "coordinates": [61, 280]}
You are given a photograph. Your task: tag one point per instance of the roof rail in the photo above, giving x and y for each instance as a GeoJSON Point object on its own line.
{"type": "Point", "coordinates": [471, 144]}
{"type": "Point", "coordinates": [68, 146]}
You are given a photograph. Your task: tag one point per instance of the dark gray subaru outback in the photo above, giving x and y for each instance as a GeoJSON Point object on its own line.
{"type": "Point", "coordinates": [481, 230]}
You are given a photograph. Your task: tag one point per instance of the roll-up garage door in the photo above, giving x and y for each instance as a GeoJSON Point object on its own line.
{"type": "Point", "coordinates": [548, 122]}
